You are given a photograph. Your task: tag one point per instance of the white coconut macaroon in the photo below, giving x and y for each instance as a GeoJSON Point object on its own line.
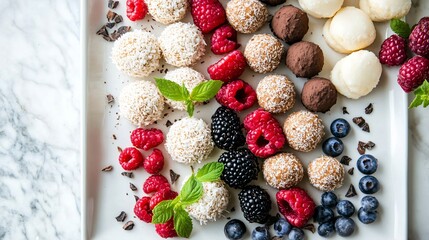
{"type": "Point", "coordinates": [189, 141]}
{"type": "Point", "coordinates": [212, 205]}
{"type": "Point", "coordinates": [167, 11]}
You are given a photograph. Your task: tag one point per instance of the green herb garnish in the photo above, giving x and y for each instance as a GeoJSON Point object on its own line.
{"type": "Point", "coordinates": [400, 27]}
{"type": "Point", "coordinates": [421, 95]}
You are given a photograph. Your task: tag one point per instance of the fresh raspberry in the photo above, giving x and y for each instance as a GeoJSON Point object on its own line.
{"type": "Point", "coordinates": [229, 67]}
{"type": "Point", "coordinates": [419, 38]}
{"type": "Point", "coordinates": [154, 163]}
{"type": "Point", "coordinates": [136, 9]}
{"type": "Point", "coordinates": [295, 205]}
{"type": "Point", "coordinates": [266, 140]}
{"type": "Point", "coordinates": [155, 183]}
{"type": "Point", "coordinates": [224, 40]}
{"type": "Point", "coordinates": [207, 14]}
{"type": "Point", "coordinates": [236, 95]}
{"type": "Point", "coordinates": [413, 73]}
{"type": "Point", "coordinates": [161, 196]}
{"type": "Point", "coordinates": [166, 230]}
{"type": "Point", "coordinates": [142, 209]}
{"type": "Point", "coordinates": [256, 118]}
{"type": "Point", "coordinates": [393, 51]}
{"type": "Point", "coordinates": [146, 138]}
{"type": "Point", "coordinates": [130, 158]}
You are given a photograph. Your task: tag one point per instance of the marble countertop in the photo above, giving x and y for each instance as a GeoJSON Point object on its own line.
{"type": "Point", "coordinates": [40, 92]}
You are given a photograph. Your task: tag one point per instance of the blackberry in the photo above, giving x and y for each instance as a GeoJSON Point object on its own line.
{"type": "Point", "coordinates": [240, 167]}
{"type": "Point", "coordinates": [226, 129]}
{"type": "Point", "coordinates": [255, 204]}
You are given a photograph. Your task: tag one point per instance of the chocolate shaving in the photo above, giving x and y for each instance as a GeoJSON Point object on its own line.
{"type": "Point", "coordinates": [121, 217]}
{"type": "Point", "coordinates": [133, 187]}
{"type": "Point", "coordinates": [112, 4]}
{"type": "Point", "coordinates": [119, 149]}
{"type": "Point", "coordinates": [168, 123]}
{"type": "Point", "coordinates": [127, 174]}
{"type": "Point", "coordinates": [103, 31]}
{"type": "Point", "coordinates": [360, 121]}
{"type": "Point", "coordinates": [118, 19]}
{"type": "Point", "coordinates": [110, 15]}
{"type": "Point", "coordinates": [173, 176]}
{"type": "Point", "coordinates": [136, 197]}
{"type": "Point", "coordinates": [114, 137]}
{"type": "Point", "coordinates": [351, 171]}
{"type": "Point", "coordinates": [310, 227]}
{"type": "Point", "coordinates": [124, 29]}
{"type": "Point", "coordinates": [351, 192]}
{"type": "Point", "coordinates": [369, 109]}
{"type": "Point", "coordinates": [345, 110]}
{"type": "Point", "coordinates": [128, 226]}
{"type": "Point", "coordinates": [361, 148]}
{"type": "Point", "coordinates": [369, 145]}
{"type": "Point", "coordinates": [115, 35]}
{"type": "Point", "coordinates": [108, 38]}
{"type": "Point", "coordinates": [365, 127]}
{"type": "Point", "coordinates": [110, 98]}
{"type": "Point", "coordinates": [232, 209]}
{"type": "Point", "coordinates": [107, 169]}
{"type": "Point", "coordinates": [345, 160]}
{"type": "Point", "coordinates": [110, 25]}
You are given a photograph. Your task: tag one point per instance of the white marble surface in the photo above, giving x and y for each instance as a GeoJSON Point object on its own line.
{"type": "Point", "coordinates": [39, 124]}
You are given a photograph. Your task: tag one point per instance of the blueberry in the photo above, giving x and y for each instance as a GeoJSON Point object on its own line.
{"type": "Point", "coordinates": [326, 229]}
{"type": "Point", "coordinates": [367, 164]}
{"type": "Point", "coordinates": [333, 147]}
{"type": "Point", "coordinates": [260, 233]}
{"type": "Point", "coordinates": [282, 227]}
{"type": "Point", "coordinates": [329, 199]}
{"type": "Point", "coordinates": [296, 234]}
{"type": "Point", "coordinates": [369, 184]}
{"type": "Point", "coordinates": [344, 226]}
{"type": "Point", "coordinates": [367, 217]}
{"type": "Point", "coordinates": [234, 229]}
{"type": "Point", "coordinates": [369, 203]}
{"type": "Point", "coordinates": [340, 128]}
{"type": "Point", "coordinates": [323, 214]}
{"type": "Point", "coordinates": [345, 208]}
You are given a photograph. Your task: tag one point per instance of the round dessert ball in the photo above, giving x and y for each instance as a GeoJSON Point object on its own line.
{"type": "Point", "coordinates": [326, 173]}
{"type": "Point", "coordinates": [304, 130]}
{"type": "Point", "coordinates": [321, 9]}
{"type": "Point", "coordinates": [276, 93]}
{"type": "Point", "coordinates": [305, 59]}
{"type": "Point", "coordinates": [246, 16]}
{"type": "Point", "coordinates": [136, 53]}
{"type": "Point", "coordinates": [283, 170]}
{"type": "Point", "coordinates": [383, 10]}
{"type": "Point", "coordinates": [141, 103]}
{"type": "Point", "coordinates": [273, 2]}
{"type": "Point", "coordinates": [189, 141]}
{"type": "Point", "coordinates": [263, 53]}
{"type": "Point", "coordinates": [187, 76]}
{"type": "Point", "coordinates": [212, 205]}
{"type": "Point", "coordinates": [319, 95]}
{"type": "Point", "coordinates": [290, 24]}
{"type": "Point", "coordinates": [182, 44]}
{"type": "Point", "coordinates": [167, 11]}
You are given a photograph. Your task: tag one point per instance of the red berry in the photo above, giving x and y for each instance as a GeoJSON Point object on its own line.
{"type": "Point", "coordinates": [224, 40]}
{"type": "Point", "coordinates": [136, 9]}
{"type": "Point", "coordinates": [393, 51]}
{"type": "Point", "coordinates": [130, 158]}
{"type": "Point", "coordinates": [161, 196]}
{"type": "Point", "coordinates": [229, 67]}
{"type": "Point", "coordinates": [146, 138]}
{"type": "Point", "coordinates": [142, 209]}
{"type": "Point", "coordinates": [419, 38]}
{"type": "Point", "coordinates": [154, 163]}
{"type": "Point", "coordinates": [166, 230]}
{"type": "Point", "coordinates": [207, 14]}
{"type": "Point", "coordinates": [155, 183]}
{"type": "Point", "coordinates": [413, 73]}
{"type": "Point", "coordinates": [256, 118]}
{"type": "Point", "coordinates": [236, 95]}
{"type": "Point", "coordinates": [295, 205]}
{"type": "Point", "coordinates": [266, 140]}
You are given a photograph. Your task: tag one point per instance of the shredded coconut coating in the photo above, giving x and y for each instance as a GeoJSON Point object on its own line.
{"type": "Point", "coordinates": [276, 93]}
{"type": "Point", "coordinates": [283, 170]}
{"type": "Point", "coordinates": [167, 11]}
{"type": "Point", "coordinates": [246, 16]}
{"type": "Point", "coordinates": [263, 53]}
{"type": "Point", "coordinates": [136, 53]}
{"type": "Point", "coordinates": [304, 131]}
{"type": "Point", "coordinates": [187, 76]}
{"type": "Point", "coordinates": [182, 44]}
{"type": "Point", "coordinates": [326, 173]}
{"type": "Point", "coordinates": [189, 141]}
{"type": "Point", "coordinates": [141, 103]}
{"type": "Point", "coordinates": [212, 204]}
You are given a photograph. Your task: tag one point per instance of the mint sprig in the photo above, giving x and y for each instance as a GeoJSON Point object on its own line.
{"type": "Point", "coordinates": [400, 27]}
{"type": "Point", "coordinates": [421, 96]}
{"type": "Point", "coordinates": [202, 92]}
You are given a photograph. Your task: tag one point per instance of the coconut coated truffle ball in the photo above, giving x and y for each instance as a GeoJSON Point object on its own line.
{"type": "Point", "coordinates": [283, 170]}
{"type": "Point", "coordinates": [305, 59]}
{"type": "Point", "coordinates": [189, 141]}
{"type": "Point", "coordinates": [326, 173]}
{"type": "Point", "coordinates": [304, 130]}
{"type": "Point", "coordinates": [141, 103]}
{"type": "Point", "coordinates": [246, 16]}
{"type": "Point", "coordinates": [167, 11]}
{"type": "Point", "coordinates": [263, 53]}
{"type": "Point", "coordinates": [276, 93]}
{"type": "Point", "coordinates": [136, 53]}
{"type": "Point", "coordinates": [182, 44]}
{"type": "Point", "coordinates": [187, 76]}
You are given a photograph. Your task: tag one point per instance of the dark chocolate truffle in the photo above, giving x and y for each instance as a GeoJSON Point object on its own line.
{"type": "Point", "coordinates": [319, 95]}
{"type": "Point", "coordinates": [305, 59]}
{"type": "Point", "coordinates": [273, 2]}
{"type": "Point", "coordinates": [290, 24]}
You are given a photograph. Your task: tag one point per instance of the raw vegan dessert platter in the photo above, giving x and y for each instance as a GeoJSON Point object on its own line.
{"type": "Point", "coordinates": [249, 119]}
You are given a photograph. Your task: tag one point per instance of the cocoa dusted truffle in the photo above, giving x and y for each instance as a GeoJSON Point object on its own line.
{"type": "Point", "coordinates": [290, 24]}
{"type": "Point", "coordinates": [319, 95]}
{"type": "Point", "coordinates": [305, 59]}
{"type": "Point", "coordinates": [273, 2]}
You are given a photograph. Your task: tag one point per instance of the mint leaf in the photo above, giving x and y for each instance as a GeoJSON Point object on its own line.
{"type": "Point", "coordinates": [191, 191]}
{"type": "Point", "coordinates": [421, 96]}
{"type": "Point", "coordinates": [400, 27]}
{"type": "Point", "coordinates": [182, 223]}
{"type": "Point", "coordinates": [190, 108]}
{"type": "Point", "coordinates": [171, 90]}
{"type": "Point", "coordinates": [205, 90]}
{"type": "Point", "coordinates": [162, 212]}
{"type": "Point", "coordinates": [210, 172]}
